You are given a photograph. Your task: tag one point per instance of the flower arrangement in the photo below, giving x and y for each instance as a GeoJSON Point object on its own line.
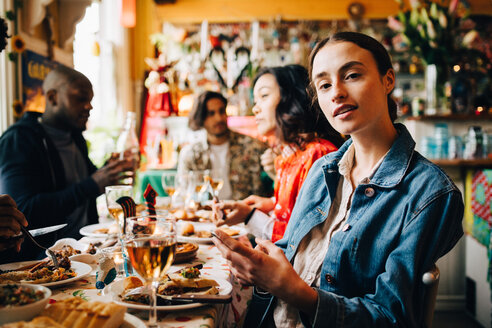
{"type": "Point", "coordinates": [429, 29]}
{"type": "Point", "coordinates": [440, 33]}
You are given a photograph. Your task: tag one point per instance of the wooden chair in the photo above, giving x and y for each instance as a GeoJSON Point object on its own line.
{"type": "Point", "coordinates": [431, 282]}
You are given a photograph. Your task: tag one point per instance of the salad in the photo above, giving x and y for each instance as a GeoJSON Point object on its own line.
{"type": "Point", "coordinates": [15, 295]}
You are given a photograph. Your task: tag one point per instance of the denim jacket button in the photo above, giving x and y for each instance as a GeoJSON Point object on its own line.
{"type": "Point", "coordinates": [346, 227]}
{"type": "Point", "coordinates": [369, 192]}
{"type": "Point", "coordinates": [329, 279]}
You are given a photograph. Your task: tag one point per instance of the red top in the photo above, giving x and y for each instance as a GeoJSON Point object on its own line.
{"type": "Point", "coordinates": [291, 173]}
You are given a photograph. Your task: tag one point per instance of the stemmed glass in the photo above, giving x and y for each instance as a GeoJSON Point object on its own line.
{"type": "Point", "coordinates": [113, 193]}
{"type": "Point", "coordinates": [216, 181]}
{"type": "Point", "coordinates": [150, 241]}
{"type": "Point", "coordinates": [169, 182]}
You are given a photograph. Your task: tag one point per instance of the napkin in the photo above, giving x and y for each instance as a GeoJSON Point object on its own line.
{"type": "Point", "coordinates": [106, 272]}
{"type": "Point", "coordinates": [129, 208]}
{"type": "Point", "coordinates": [149, 196]}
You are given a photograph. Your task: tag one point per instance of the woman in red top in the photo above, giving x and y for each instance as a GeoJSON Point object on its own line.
{"type": "Point", "coordinates": [283, 111]}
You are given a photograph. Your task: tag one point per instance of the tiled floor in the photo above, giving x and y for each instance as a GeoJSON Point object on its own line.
{"type": "Point", "coordinates": [445, 319]}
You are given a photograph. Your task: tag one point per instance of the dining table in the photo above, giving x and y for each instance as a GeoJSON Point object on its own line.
{"type": "Point", "coordinates": [207, 315]}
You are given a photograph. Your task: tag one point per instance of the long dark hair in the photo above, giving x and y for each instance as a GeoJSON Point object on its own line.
{"type": "Point", "coordinates": [297, 121]}
{"type": "Point", "coordinates": [199, 112]}
{"type": "Point", "coordinates": [377, 50]}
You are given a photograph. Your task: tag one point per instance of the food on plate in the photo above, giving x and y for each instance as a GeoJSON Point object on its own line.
{"type": "Point", "coordinates": [203, 234]}
{"type": "Point", "coordinates": [38, 322]}
{"type": "Point", "coordinates": [187, 229]}
{"type": "Point", "coordinates": [132, 282]}
{"type": "Point", "coordinates": [185, 215]}
{"type": "Point", "coordinates": [186, 281]}
{"type": "Point", "coordinates": [231, 232]}
{"type": "Point", "coordinates": [67, 251]}
{"type": "Point", "coordinates": [92, 249]}
{"type": "Point", "coordinates": [111, 230]}
{"type": "Point", "coordinates": [185, 248]}
{"type": "Point", "coordinates": [185, 252]}
{"type": "Point", "coordinates": [204, 215]}
{"type": "Point", "coordinates": [190, 272]}
{"type": "Point", "coordinates": [42, 272]}
{"type": "Point", "coordinates": [77, 313]}
{"type": "Point", "coordinates": [15, 295]}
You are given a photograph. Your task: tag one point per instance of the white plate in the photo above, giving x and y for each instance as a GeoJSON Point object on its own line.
{"type": "Point", "coordinates": [81, 269]}
{"type": "Point", "coordinates": [115, 288]}
{"type": "Point", "coordinates": [200, 226]}
{"type": "Point", "coordinates": [90, 230]}
{"type": "Point", "coordinates": [83, 257]}
{"type": "Point", "coordinates": [131, 321]}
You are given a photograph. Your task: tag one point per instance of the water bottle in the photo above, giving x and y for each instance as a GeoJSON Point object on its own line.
{"type": "Point", "coordinates": [128, 143]}
{"type": "Point", "coordinates": [441, 140]}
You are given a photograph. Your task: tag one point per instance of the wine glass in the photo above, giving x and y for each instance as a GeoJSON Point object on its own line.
{"type": "Point", "coordinates": [150, 241]}
{"type": "Point", "coordinates": [216, 181]}
{"type": "Point", "coordinates": [169, 182]}
{"type": "Point", "coordinates": [113, 193]}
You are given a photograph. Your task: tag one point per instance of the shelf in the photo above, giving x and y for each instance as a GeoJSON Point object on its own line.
{"type": "Point", "coordinates": [485, 162]}
{"type": "Point", "coordinates": [451, 117]}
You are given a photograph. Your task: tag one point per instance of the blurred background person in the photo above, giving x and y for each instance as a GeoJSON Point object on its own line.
{"type": "Point", "coordinates": [235, 156]}
{"type": "Point", "coordinates": [283, 109]}
{"type": "Point", "coordinates": [44, 163]}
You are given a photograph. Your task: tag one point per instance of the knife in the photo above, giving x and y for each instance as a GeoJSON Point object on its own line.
{"type": "Point", "coordinates": [194, 298]}
{"type": "Point", "coordinates": [39, 232]}
{"type": "Point", "coordinates": [45, 230]}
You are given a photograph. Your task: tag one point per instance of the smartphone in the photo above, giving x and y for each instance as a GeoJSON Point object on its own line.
{"type": "Point", "coordinates": [215, 235]}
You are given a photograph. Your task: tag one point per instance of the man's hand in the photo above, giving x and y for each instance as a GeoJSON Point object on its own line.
{"type": "Point", "coordinates": [235, 212]}
{"type": "Point", "coordinates": [267, 268]}
{"type": "Point", "coordinates": [11, 220]}
{"type": "Point", "coordinates": [264, 204]}
{"type": "Point", "coordinates": [113, 173]}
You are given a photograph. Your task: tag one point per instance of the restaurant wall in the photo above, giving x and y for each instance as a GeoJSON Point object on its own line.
{"type": "Point", "coordinates": [151, 16]}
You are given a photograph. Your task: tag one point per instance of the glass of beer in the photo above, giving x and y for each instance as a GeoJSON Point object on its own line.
{"type": "Point", "coordinates": [150, 241]}
{"type": "Point", "coordinates": [113, 193]}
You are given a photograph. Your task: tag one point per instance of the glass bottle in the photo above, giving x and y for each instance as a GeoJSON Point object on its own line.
{"type": "Point", "coordinates": [128, 143]}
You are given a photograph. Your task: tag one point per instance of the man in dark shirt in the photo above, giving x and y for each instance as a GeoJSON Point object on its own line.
{"type": "Point", "coordinates": [44, 163]}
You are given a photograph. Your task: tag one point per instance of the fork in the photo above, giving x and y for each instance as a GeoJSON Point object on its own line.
{"type": "Point", "coordinates": [50, 252]}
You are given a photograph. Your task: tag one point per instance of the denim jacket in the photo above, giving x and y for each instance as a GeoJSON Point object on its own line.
{"type": "Point", "coordinates": [401, 221]}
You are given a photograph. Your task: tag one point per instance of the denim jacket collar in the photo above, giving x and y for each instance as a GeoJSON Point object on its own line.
{"type": "Point", "coordinates": [391, 171]}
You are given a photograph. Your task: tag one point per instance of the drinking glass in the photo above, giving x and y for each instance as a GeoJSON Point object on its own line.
{"type": "Point", "coordinates": [150, 241]}
{"type": "Point", "coordinates": [198, 178]}
{"type": "Point", "coordinates": [113, 193]}
{"type": "Point", "coordinates": [216, 181]}
{"type": "Point", "coordinates": [169, 182]}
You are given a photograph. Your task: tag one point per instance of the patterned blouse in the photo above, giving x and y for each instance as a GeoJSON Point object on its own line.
{"type": "Point", "coordinates": [243, 158]}
{"type": "Point", "coordinates": [291, 173]}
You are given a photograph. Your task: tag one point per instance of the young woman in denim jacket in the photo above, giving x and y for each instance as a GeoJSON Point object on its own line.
{"type": "Point", "coordinates": [370, 219]}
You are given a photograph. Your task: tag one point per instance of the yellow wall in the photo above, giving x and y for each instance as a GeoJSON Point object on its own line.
{"type": "Point", "coordinates": [248, 10]}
